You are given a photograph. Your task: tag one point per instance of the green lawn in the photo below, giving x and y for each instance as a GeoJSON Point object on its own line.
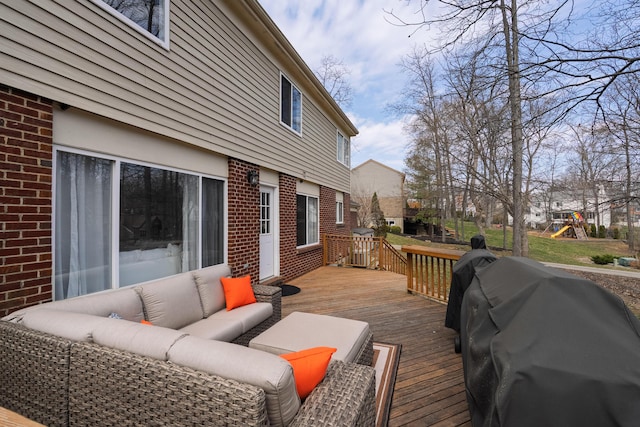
{"type": "Point", "coordinates": [541, 248]}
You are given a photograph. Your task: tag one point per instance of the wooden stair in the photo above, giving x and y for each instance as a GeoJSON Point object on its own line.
{"type": "Point", "coordinates": [580, 233]}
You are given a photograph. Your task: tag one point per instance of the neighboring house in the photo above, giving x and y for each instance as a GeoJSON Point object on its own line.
{"type": "Point", "coordinates": [557, 207]}
{"type": "Point", "coordinates": [373, 177]}
{"type": "Point", "coordinates": [141, 143]}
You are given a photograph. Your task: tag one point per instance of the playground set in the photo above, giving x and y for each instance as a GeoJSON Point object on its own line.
{"type": "Point", "coordinates": [572, 227]}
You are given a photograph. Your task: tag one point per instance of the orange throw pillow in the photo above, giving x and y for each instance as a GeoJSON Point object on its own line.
{"type": "Point", "coordinates": [309, 367]}
{"type": "Point", "coordinates": [237, 291]}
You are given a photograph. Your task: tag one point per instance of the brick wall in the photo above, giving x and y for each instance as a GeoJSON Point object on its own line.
{"type": "Point", "coordinates": [296, 262]}
{"type": "Point", "coordinates": [244, 221]}
{"type": "Point", "coordinates": [26, 150]}
{"type": "Point", "coordinates": [328, 213]}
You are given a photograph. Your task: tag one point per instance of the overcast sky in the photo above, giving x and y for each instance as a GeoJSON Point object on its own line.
{"type": "Point", "coordinates": [356, 32]}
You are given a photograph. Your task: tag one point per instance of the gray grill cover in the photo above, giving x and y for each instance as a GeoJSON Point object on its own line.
{"type": "Point", "coordinates": [542, 347]}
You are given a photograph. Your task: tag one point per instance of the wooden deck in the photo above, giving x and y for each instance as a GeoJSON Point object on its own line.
{"type": "Point", "coordinates": [429, 389]}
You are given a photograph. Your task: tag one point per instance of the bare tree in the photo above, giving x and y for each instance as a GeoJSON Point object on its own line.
{"type": "Point", "coordinates": [362, 196]}
{"type": "Point", "coordinates": [543, 56]}
{"type": "Point", "coordinates": [333, 75]}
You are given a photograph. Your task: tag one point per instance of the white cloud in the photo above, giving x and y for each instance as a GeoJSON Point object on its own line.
{"type": "Point", "coordinates": [384, 142]}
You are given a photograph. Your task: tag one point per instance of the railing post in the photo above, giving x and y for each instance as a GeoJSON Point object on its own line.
{"type": "Point", "coordinates": [409, 272]}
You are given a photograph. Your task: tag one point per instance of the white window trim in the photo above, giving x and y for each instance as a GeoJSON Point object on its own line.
{"type": "Point", "coordinates": [317, 242]}
{"type": "Point", "coordinates": [115, 206]}
{"type": "Point", "coordinates": [339, 212]}
{"type": "Point", "coordinates": [290, 127]}
{"type": "Point", "coordinates": [346, 159]}
{"type": "Point", "coordinates": [162, 42]}
{"type": "Point", "coordinates": [339, 208]}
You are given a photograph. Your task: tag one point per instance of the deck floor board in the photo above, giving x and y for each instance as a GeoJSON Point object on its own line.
{"type": "Point", "coordinates": [429, 389]}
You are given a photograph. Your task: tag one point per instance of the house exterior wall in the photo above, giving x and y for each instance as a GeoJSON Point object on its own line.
{"type": "Point", "coordinates": [25, 199]}
{"type": "Point", "coordinates": [373, 177]}
{"type": "Point", "coordinates": [73, 77]}
{"type": "Point", "coordinates": [217, 87]}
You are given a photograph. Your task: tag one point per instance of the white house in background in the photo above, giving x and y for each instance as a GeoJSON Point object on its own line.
{"type": "Point", "coordinates": [374, 177]}
{"type": "Point", "coordinates": [558, 206]}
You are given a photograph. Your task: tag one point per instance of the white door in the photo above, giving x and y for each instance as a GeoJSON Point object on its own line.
{"type": "Point", "coordinates": [267, 232]}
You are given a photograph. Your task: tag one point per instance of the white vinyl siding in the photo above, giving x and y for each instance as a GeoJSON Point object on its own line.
{"type": "Point", "coordinates": [217, 89]}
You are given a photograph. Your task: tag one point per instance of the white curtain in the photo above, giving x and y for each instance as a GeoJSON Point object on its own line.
{"type": "Point", "coordinates": [82, 225]}
{"type": "Point", "coordinates": [313, 220]}
{"type": "Point", "coordinates": [190, 222]}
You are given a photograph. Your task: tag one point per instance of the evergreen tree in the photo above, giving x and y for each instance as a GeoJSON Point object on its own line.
{"type": "Point", "coordinates": [377, 218]}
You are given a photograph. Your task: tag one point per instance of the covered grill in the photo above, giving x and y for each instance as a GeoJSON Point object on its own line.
{"type": "Point", "coordinates": [542, 347]}
{"type": "Point", "coordinates": [461, 277]}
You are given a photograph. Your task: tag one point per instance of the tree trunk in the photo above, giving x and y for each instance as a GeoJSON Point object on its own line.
{"type": "Point", "coordinates": [520, 241]}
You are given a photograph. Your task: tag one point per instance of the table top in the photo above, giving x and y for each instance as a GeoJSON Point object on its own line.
{"type": "Point", "coordinates": [11, 419]}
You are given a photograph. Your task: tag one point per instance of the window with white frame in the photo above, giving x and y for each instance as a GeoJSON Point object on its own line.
{"type": "Point", "coordinates": [343, 149]}
{"type": "Point", "coordinates": [118, 223]}
{"type": "Point", "coordinates": [150, 17]}
{"type": "Point", "coordinates": [290, 105]}
{"type": "Point", "coordinates": [339, 208]}
{"type": "Point", "coordinates": [307, 220]}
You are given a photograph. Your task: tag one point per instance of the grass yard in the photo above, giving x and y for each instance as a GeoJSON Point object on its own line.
{"type": "Point", "coordinates": [541, 248]}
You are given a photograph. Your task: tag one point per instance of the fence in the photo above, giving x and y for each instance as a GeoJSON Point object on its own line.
{"type": "Point", "coordinates": [429, 270]}
{"type": "Point", "coordinates": [363, 251]}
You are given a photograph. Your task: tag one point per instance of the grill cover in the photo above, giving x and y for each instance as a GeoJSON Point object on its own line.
{"type": "Point", "coordinates": [542, 347]}
{"type": "Point", "coordinates": [463, 272]}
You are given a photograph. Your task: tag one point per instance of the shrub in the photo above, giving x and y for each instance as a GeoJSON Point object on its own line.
{"type": "Point", "coordinates": [395, 229]}
{"type": "Point", "coordinates": [602, 232]}
{"type": "Point", "coordinates": [603, 259]}
{"type": "Point", "coordinates": [616, 233]}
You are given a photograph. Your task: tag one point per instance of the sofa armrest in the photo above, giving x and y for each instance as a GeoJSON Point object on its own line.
{"type": "Point", "coordinates": [349, 390]}
{"type": "Point", "coordinates": [34, 373]}
{"type": "Point", "coordinates": [272, 294]}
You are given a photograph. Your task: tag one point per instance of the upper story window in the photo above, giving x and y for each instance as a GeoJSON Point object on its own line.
{"type": "Point", "coordinates": [290, 105]}
{"type": "Point", "coordinates": [150, 17]}
{"type": "Point", "coordinates": [343, 150]}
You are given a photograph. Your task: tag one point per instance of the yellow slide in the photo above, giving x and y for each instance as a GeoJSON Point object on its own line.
{"type": "Point", "coordinates": [562, 230]}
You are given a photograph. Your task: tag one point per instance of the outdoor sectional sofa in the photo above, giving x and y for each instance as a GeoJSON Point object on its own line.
{"type": "Point", "coordinates": [72, 363]}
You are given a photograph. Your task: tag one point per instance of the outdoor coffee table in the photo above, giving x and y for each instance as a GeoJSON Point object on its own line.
{"type": "Point", "coordinates": [298, 331]}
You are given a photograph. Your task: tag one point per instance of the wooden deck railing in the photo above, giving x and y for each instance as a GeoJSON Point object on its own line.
{"type": "Point", "coordinates": [362, 251]}
{"type": "Point", "coordinates": [429, 271]}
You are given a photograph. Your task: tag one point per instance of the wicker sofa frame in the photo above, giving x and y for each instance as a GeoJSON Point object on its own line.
{"type": "Point", "coordinates": [59, 382]}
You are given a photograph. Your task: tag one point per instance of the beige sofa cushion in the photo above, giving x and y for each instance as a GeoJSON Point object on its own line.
{"type": "Point", "coordinates": [299, 331]}
{"type": "Point", "coordinates": [210, 288]}
{"type": "Point", "coordinates": [226, 325]}
{"type": "Point", "coordinates": [125, 302]}
{"type": "Point", "coordinates": [66, 324]}
{"type": "Point", "coordinates": [249, 316]}
{"type": "Point", "coordinates": [214, 329]}
{"type": "Point", "coordinates": [270, 372]}
{"type": "Point", "coordinates": [172, 302]}
{"type": "Point", "coordinates": [151, 341]}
